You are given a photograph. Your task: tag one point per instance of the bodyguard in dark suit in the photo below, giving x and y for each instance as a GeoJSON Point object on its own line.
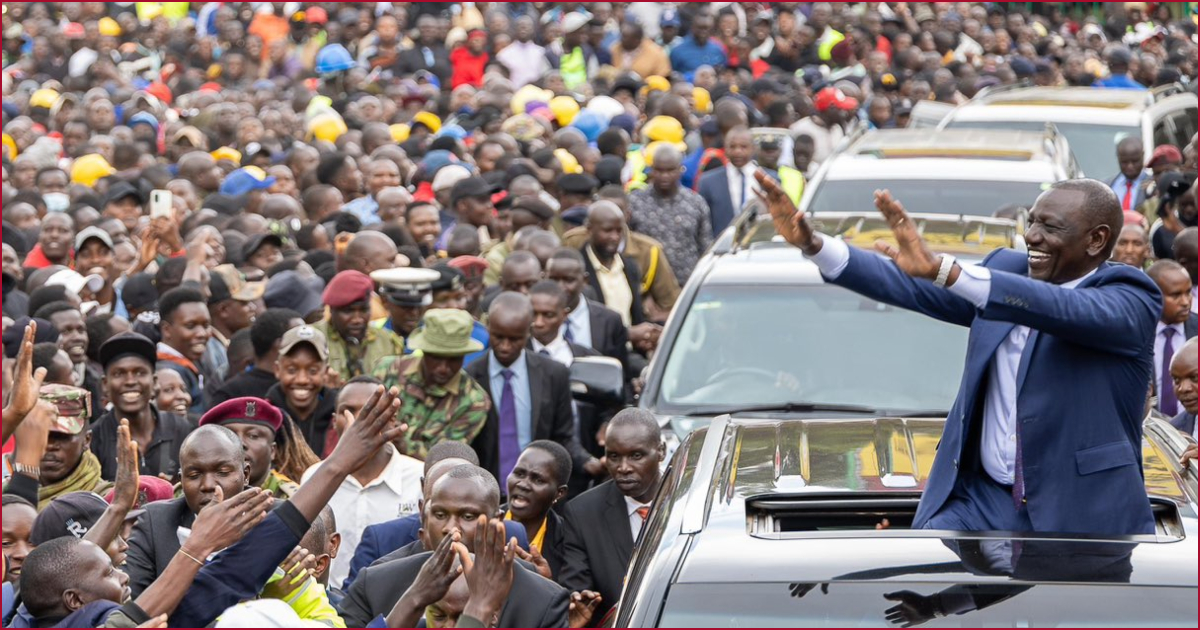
{"type": "Point", "coordinates": [531, 394]}
{"type": "Point", "coordinates": [589, 324]}
{"type": "Point", "coordinates": [603, 523]}
{"type": "Point", "coordinates": [1057, 373]}
{"type": "Point", "coordinates": [427, 53]}
{"type": "Point", "coordinates": [728, 189]}
{"type": "Point", "coordinates": [1183, 375]}
{"type": "Point", "coordinates": [1176, 324]}
{"type": "Point", "coordinates": [604, 263]}
{"type": "Point", "coordinates": [455, 500]}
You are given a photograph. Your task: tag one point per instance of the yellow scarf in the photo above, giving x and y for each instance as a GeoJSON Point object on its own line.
{"type": "Point", "coordinates": [536, 539]}
{"type": "Point", "coordinates": [85, 477]}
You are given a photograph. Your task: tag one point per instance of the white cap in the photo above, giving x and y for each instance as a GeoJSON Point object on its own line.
{"type": "Point", "coordinates": [75, 282]}
{"type": "Point", "coordinates": [575, 20]}
{"type": "Point", "coordinates": [449, 175]}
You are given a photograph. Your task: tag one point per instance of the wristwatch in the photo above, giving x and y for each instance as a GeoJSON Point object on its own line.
{"type": "Point", "coordinates": [944, 270]}
{"type": "Point", "coordinates": [29, 471]}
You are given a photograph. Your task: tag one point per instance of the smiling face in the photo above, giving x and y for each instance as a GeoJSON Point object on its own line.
{"type": "Point", "coordinates": [1064, 244]}
{"type": "Point", "coordinates": [129, 384]}
{"type": "Point", "coordinates": [173, 396]}
{"type": "Point", "coordinates": [57, 233]}
{"type": "Point", "coordinates": [72, 334]}
{"type": "Point", "coordinates": [533, 486]}
{"type": "Point", "coordinates": [95, 258]}
{"type": "Point", "coordinates": [301, 375]}
{"type": "Point", "coordinates": [188, 330]}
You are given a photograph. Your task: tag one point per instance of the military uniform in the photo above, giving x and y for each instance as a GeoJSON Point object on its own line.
{"type": "Point", "coordinates": [350, 360]}
{"type": "Point", "coordinates": [456, 411]}
{"type": "Point", "coordinates": [279, 486]}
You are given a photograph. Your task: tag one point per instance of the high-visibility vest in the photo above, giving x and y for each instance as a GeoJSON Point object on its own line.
{"type": "Point", "coordinates": [792, 181]}
{"type": "Point", "coordinates": [635, 161]}
{"type": "Point", "coordinates": [825, 44]}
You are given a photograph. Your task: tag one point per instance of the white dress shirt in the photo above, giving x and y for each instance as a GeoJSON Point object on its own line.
{"type": "Point", "coordinates": [559, 350]}
{"type": "Point", "coordinates": [999, 438]}
{"type": "Point", "coordinates": [525, 62]}
{"type": "Point", "coordinates": [1160, 342]}
{"type": "Point", "coordinates": [635, 521]}
{"type": "Point", "coordinates": [580, 321]}
{"type": "Point", "coordinates": [741, 184]}
{"type": "Point", "coordinates": [391, 495]}
{"type": "Point", "coordinates": [1194, 302]}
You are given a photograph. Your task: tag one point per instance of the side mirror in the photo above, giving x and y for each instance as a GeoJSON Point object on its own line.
{"type": "Point", "coordinates": [598, 380]}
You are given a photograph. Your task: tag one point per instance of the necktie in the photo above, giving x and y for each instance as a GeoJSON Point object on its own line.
{"type": "Point", "coordinates": [428, 57]}
{"type": "Point", "coordinates": [544, 352]}
{"type": "Point", "coordinates": [1167, 402]}
{"type": "Point", "coordinates": [643, 512]}
{"type": "Point", "coordinates": [567, 333]}
{"type": "Point", "coordinates": [510, 445]}
{"type": "Point", "coordinates": [742, 201]}
{"type": "Point", "coordinates": [1128, 195]}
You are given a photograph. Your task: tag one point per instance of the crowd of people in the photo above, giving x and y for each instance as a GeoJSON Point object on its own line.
{"type": "Point", "coordinates": [291, 290]}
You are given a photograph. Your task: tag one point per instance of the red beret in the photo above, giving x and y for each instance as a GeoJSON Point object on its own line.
{"type": "Point", "coordinates": [347, 288]}
{"type": "Point", "coordinates": [470, 266]}
{"type": "Point", "coordinates": [248, 410]}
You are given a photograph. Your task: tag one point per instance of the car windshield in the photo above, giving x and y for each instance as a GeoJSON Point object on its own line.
{"type": "Point", "coordinates": [935, 196]}
{"type": "Point", "coordinates": [754, 346]}
{"type": "Point", "coordinates": [1094, 146]}
{"type": "Point", "coordinates": [926, 604]}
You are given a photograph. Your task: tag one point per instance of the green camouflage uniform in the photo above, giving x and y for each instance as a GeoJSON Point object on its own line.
{"type": "Point", "coordinates": [280, 486]}
{"type": "Point", "coordinates": [434, 414]}
{"type": "Point", "coordinates": [350, 360]}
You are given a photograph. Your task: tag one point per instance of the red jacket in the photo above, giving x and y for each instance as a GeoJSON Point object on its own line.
{"type": "Point", "coordinates": [468, 68]}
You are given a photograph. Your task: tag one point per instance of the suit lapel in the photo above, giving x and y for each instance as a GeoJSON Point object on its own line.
{"type": "Point", "coordinates": [1026, 353]}
{"type": "Point", "coordinates": [536, 392]}
{"type": "Point", "coordinates": [617, 517]}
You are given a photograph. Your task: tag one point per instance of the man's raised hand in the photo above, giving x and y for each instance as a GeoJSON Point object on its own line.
{"type": "Point", "coordinates": [911, 254]}
{"type": "Point", "coordinates": [374, 427]}
{"type": "Point", "coordinates": [222, 524]}
{"type": "Point", "coordinates": [790, 223]}
{"type": "Point", "coordinates": [26, 383]}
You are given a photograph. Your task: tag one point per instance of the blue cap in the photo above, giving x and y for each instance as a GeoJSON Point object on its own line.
{"type": "Point", "coordinates": [435, 160]}
{"type": "Point", "coordinates": [144, 118]}
{"type": "Point", "coordinates": [590, 123]}
{"type": "Point", "coordinates": [454, 131]}
{"type": "Point", "coordinates": [243, 181]}
{"type": "Point", "coordinates": [623, 121]}
{"type": "Point", "coordinates": [670, 17]}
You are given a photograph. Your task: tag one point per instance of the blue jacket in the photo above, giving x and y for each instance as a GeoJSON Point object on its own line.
{"type": "Point", "coordinates": [1081, 386]}
{"type": "Point", "coordinates": [714, 188]}
{"type": "Point", "coordinates": [380, 539]}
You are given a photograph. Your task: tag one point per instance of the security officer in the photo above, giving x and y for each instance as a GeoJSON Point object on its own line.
{"type": "Point", "coordinates": [354, 346]}
{"type": "Point", "coordinates": [449, 291]}
{"type": "Point", "coordinates": [257, 422]}
{"type": "Point", "coordinates": [576, 191]}
{"type": "Point", "coordinates": [406, 293]}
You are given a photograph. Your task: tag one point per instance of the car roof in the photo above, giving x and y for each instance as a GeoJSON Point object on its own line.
{"type": "Point", "coordinates": [1043, 113]}
{"type": "Point", "coordinates": [1068, 97]}
{"type": "Point", "coordinates": [957, 154]}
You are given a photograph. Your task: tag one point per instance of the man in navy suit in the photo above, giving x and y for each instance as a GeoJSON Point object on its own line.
{"type": "Point", "coordinates": [1175, 326]}
{"type": "Point", "coordinates": [1183, 377]}
{"type": "Point", "coordinates": [1046, 432]}
{"type": "Point", "coordinates": [727, 190]}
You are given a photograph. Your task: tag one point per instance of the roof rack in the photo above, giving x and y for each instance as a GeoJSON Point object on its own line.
{"type": "Point", "coordinates": [1163, 91]}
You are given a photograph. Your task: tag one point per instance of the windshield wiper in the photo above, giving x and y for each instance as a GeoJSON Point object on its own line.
{"type": "Point", "coordinates": [811, 407]}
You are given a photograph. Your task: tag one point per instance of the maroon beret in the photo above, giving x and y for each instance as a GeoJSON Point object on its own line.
{"type": "Point", "coordinates": [471, 266]}
{"type": "Point", "coordinates": [248, 410]}
{"type": "Point", "coordinates": [347, 288]}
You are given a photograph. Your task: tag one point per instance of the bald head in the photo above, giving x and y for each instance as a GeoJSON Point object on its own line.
{"type": "Point", "coordinates": [281, 207]}
{"type": "Point", "coordinates": [604, 211]}
{"type": "Point", "coordinates": [211, 438]}
{"type": "Point", "coordinates": [369, 251]}
{"type": "Point", "coordinates": [667, 157]}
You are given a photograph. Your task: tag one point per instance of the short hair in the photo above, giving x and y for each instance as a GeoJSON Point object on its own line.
{"type": "Point", "coordinates": [211, 430]}
{"type": "Point", "coordinates": [1162, 267]}
{"type": "Point", "coordinates": [238, 343]}
{"type": "Point", "coordinates": [612, 191]}
{"type": "Point", "coordinates": [609, 141]}
{"type": "Point", "coordinates": [567, 253]}
{"type": "Point", "coordinates": [513, 302]}
{"type": "Point", "coordinates": [47, 572]}
{"type": "Point", "coordinates": [550, 288]}
{"type": "Point", "coordinates": [1185, 243]}
{"type": "Point", "coordinates": [170, 274]}
{"type": "Point", "coordinates": [44, 295]}
{"type": "Point", "coordinates": [175, 298]}
{"type": "Point", "coordinates": [269, 328]}
{"type": "Point", "coordinates": [364, 379]}
{"type": "Point", "coordinates": [1100, 206]}
{"type": "Point", "coordinates": [330, 165]}
{"type": "Point", "coordinates": [54, 308]}
{"type": "Point", "coordinates": [562, 459]}
{"type": "Point", "coordinates": [637, 417]}
{"type": "Point", "coordinates": [99, 329]}
{"type": "Point", "coordinates": [13, 499]}
{"type": "Point", "coordinates": [450, 450]}
{"type": "Point", "coordinates": [44, 353]}
{"type": "Point", "coordinates": [480, 475]}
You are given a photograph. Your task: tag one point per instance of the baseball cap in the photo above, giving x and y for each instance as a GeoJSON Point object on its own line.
{"type": "Point", "coordinates": [72, 514]}
{"type": "Point", "coordinates": [449, 175]}
{"type": "Point", "coordinates": [229, 284]}
{"type": "Point", "coordinates": [91, 232]}
{"type": "Point", "coordinates": [304, 335]}
{"type": "Point", "coordinates": [126, 344]}
{"type": "Point", "coordinates": [470, 187]}
{"type": "Point", "coordinates": [74, 282]}
{"type": "Point", "coordinates": [833, 97]}
{"type": "Point", "coordinates": [74, 405]}
{"type": "Point", "coordinates": [246, 179]}
{"type": "Point", "coordinates": [139, 292]}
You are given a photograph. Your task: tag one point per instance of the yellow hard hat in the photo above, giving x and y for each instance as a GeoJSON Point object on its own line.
{"type": "Point", "coordinates": [10, 147]}
{"type": "Point", "coordinates": [564, 109]}
{"type": "Point", "coordinates": [227, 153]}
{"type": "Point", "coordinates": [657, 83]}
{"type": "Point", "coordinates": [88, 169]}
{"type": "Point", "coordinates": [327, 126]}
{"type": "Point", "coordinates": [664, 129]}
{"type": "Point", "coordinates": [109, 27]}
{"type": "Point", "coordinates": [702, 99]}
{"type": "Point", "coordinates": [399, 132]}
{"type": "Point", "coordinates": [529, 94]}
{"type": "Point", "coordinates": [44, 97]}
{"type": "Point", "coordinates": [569, 164]}
{"type": "Point", "coordinates": [429, 119]}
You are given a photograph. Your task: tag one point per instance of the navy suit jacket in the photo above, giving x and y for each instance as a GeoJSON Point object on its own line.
{"type": "Point", "coordinates": [1185, 422]}
{"type": "Point", "coordinates": [380, 539]}
{"type": "Point", "coordinates": [1081, 385]}
{"type": "Point", "coordinates": [714, 188]}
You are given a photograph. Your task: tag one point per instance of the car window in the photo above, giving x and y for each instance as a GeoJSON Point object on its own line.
{"type": "Point", "coordinates": [1095, 146]}
{"type": "Point", "coordinates": [753, 345]}
{"type": "Point", "coordinates": [935, 196]}
{"type": "Point", "coordinates": [1164, 131]}
{"type": "Point", "coordinates": [1184, 122]}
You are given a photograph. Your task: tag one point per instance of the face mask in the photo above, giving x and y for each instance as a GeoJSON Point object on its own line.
{"type": "Point", "coordinates": [56, 201]}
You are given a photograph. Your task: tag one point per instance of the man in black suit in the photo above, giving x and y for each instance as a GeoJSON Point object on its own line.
{"type": "Point", "coordinates": [1183, 375]}
{"type": "Point", "coordinates": [531, 394]}
{"type": "Point", "coordinates": [1176, 324]}
{"type": "Point", "coordinates": [427, 53]}
{"type": "Point", "coordinates": [455, 501]}
{"type": "Point", "coordinates": [603, 523]}
{"type": "Point", "coordinates": [589, 324]}
{"type": "Point", "coordinates": [210, 457]}
{"type": "Point", "coordinates": [614, 277]}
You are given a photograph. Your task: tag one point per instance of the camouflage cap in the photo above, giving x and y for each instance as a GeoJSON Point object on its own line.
{"type": "Point", "coordinates": [74, 406]}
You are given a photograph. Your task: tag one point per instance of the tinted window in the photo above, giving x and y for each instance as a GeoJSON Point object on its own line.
{"type": "Point", "coordinates": [1095, 146]}
{"type": "Point", "coordinates": [868, 605]}
{"type": "Point", "coordinates": [934, 196]}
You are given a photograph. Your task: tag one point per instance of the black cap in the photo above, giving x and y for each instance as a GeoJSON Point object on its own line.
{"type": "Point", "coordinates": [1171, 186]}
{"type": "Point", "coordinates": [578, 183]}
{"type": "Point", "coordinates": [121, 190]}
{"type": "Point", "coordinates": [140, 293]}
{"type": "Point", "coordinates": [608, 170]}
{"type": "Point", "coordinates": [470, 187]}
{"type": "Point", "coordinates": [218, 290]}
{"type": "Point", "coordinates": [765, 85]}
{"type": "Point", "coordinates": [258, 240]}
{"type": "Point", "coordinates": [73, 514]}
{"type": "Point", "coordinates": [15, 334]}
{"type": "Point", "coordinates": [14, 238]}
{"type": "Point", "coordinates": [451, 279]}
{"type": "Point", "coordinates": [227, 205]}
{"type": "Point", "coordinates": [626, 82]}
{"type": "Point", "coordinates": [126, 344]}
{"type": "Point", "coordinates": [534, 206]}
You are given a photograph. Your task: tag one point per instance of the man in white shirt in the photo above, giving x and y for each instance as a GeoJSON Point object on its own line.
{"type": "Point", "coordinates": [388, 486]}
{"type": "Point", "coordinates": [1046, 432]}
{"type": "Point", "coordinates": [525, 59]}
{"type": "Point", "coordinates": [1175, 326]}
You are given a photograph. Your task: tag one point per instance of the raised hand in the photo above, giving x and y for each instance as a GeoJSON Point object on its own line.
{"type": "Point", "coordinates": [297, 568]}
{"type": "Point", "coordinates": [125, 490]}
{"type": "Point", "coordinates": [912, 255]}
{"type": "Point", "coordinates": [582, 608]}
{"type": "Point", "coordinates": [25, 385]}
{"type": "Point", "coordinates": [490, 578]}
{"type": "Point", "coordinates": [534, 557]}
{"type": "Point", "coordinates": [374, 427]}
{"type": "Point", "coordinates": [34, 433]}
{"type": "Point", "coordinates": [224, 523]}
{"type": "Point", "coordinates": [790, 223]}
{"type": "Point", "coordinates": [431, 584]}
